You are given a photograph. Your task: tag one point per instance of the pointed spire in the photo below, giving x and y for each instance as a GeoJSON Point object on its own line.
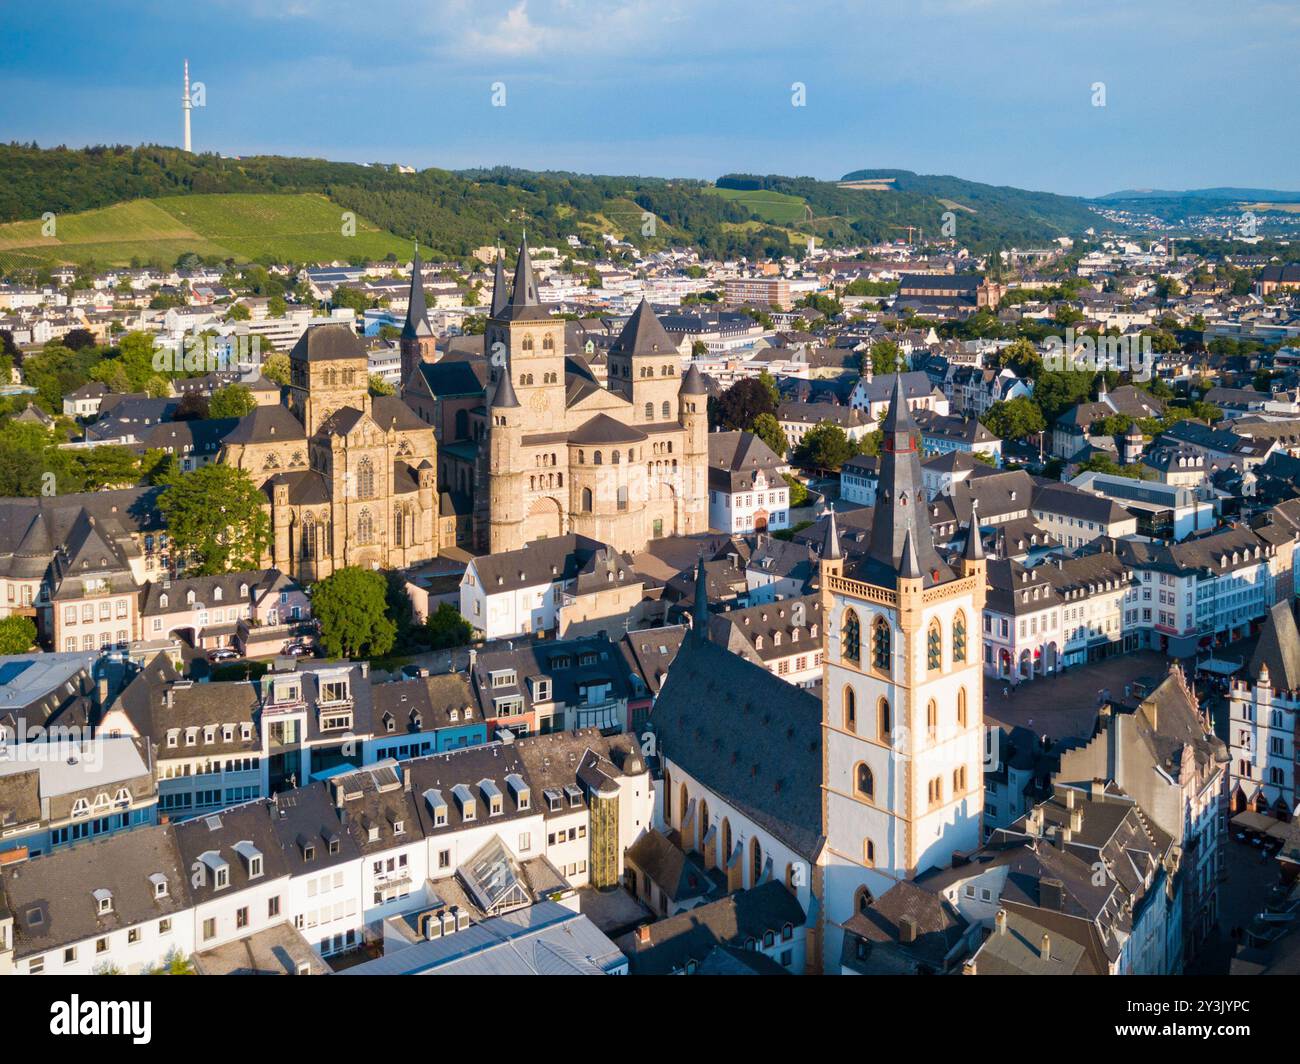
{"type": "Point", "coordinates": [505, 398]}
{"type": "Point", "coordinates": [831, 544]}
{"type": "Point", "coordinates": [500, 293]}
{"type": "Point", "coordinates": [643, 334]}
{"type": "Point", "coordinates": [417, 314]}
{"type": "Point", "coordinates": [524, 293]}
{"type": "Point", "coordinates": [700, 620]}
{"type": "Point", "coordinates": [974, 551]}
{"type": "Point", "coordinates": [908, 567]}
{"type": "Point", "coordinates": [693, 382]}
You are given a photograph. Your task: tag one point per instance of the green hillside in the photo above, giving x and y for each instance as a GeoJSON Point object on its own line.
{"type": "Point", "coordinates": [114, 204]}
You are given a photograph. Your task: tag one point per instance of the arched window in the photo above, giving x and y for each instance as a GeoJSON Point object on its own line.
{"type": "Point", "coordinates": [932, 718]}
{"type": "Point", "coordinates": [864, 783]}
{"type": "Point", "coordinates": [216, 594]}
{"type": "Point", "coordinates": [582, 457]}
{"type": "Point", "coordinates": [685, 799]}
{"type": "Point", "coordinates": [649, 411]}
{"type": "Point", "coordinates": [528, 343]}
{"type": "Point", "coordinates": [934, 646]}
{"type": "Point", "coordinates": [868, 853]}
{"type": "Point", "coordinates": [162, 601]}
{"type": "Point", "coordinates": [880, 644]}
{"type": "Point", "coordinates": [755, 861]}
{"type": "Point", "coordinates": [668, 799]}
{"type": "Point", "coordinates": [959, 639]}
{"type": "Point", "coordinates": [597, 459]}
{"type": "Point", "coordinates": [365, 527]}
{"type": "Point", "coordinates": [850, 710]}
{"type": "Point", "coordinates": [726, 842]}
{"type": "Point", "coordinates": [308, 549]}
{"type": "Point", "coordinates": [548, 343]}
{"type": "Point", "coordinates": [365, 479]}
{"type": "Point", "coordinates": [862, 900]}
{"type": "Point", "coordinates": [586, 500]}
{"type": "Point", "coordinates": [399, 525]}
{"type": "Point", "coordinates": [614, 456]}
{"type": "Point", "coordinates": [884, 721]}
{"type": "Point", "coordinates": [961, 707]}
{"type": "Point", "coordinates": [851, 637]}
{"type": "Point", "coordinates": [667, 410]}
{"type": "Point", "coordinates": [959, 780]}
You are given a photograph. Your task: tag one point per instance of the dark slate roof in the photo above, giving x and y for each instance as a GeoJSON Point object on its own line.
{"type": "Point", "coordinates": [329, 341]}
{"type": "Point", "coordinates": [734, 459]}
{"type": "Point", "coordinates": [729, 921]}
{"type": "Point", "coordinates": [643, 335]}
{"type": "Point", "coordinates": [693, 382]}
{"type": "Point", "coordinates": [553, 560]}
{"type": "Point", "coordinates": [265, 424]}
{"type": "Point", "coordinates": [417, 315]}
{"type": "Point", "coordinates": [604, 429]}
{"type": "Point", "coordinates": [938, 926]}
{"type": "Point", "coordinates": [51, 897]}
{"type": "Point", "coordinates": [747, 735]}
{"type": "Point", "coordinates": [1279, 649]}
{"type": "Point", "coordinates": [455, 377]}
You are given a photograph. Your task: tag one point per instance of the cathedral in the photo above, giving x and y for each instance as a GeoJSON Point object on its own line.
{"type": "Point", "coordinates": [350, 479]}
{"type": "Point", "coordinates": [902, 697]}
{"type": "Point", "coordinates": [561, 453]}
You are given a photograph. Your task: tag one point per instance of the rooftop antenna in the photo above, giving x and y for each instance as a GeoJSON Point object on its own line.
{"type": "Point", "coordinates": [186, 105]}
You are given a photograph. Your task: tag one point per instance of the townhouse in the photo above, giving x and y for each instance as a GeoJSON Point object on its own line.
{"type": "Point", "coordinates": [783, 637]}
{"type": "Point", "coordinates": [747, 492]}
{"type": "Point", "coordinates": [1078, 517]}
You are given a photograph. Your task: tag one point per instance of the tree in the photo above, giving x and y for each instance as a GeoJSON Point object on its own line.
{"type": "Point", "coordinates": [1014, 419]}
{"type": "Point", "coordinates": [234, 400]}
{"type": "Point", "coordinates": [740, 405]}
{"type": "Point", "coordinates": [238, 312]}
{"type": "Point", "coordinates": [445, 627]}
{"type": "Point", "coordinates": [194, 406]}
{"type": "Point", "coordinates": [798, 491]}
{"type": "Point", "coordinates": [17, 634]}
{"type": "Point", "coordinates": [768, 429]}
{"type": "Point", "coordinates": [886, 357]}
{"type": "Point", "coordinates": [276, 307]}
{"type": "Point", "coordinates": [107, 466]}
{"type": "Point", "coordinates": [76, 339]}
{"type": "Point", "coordinates": [378, 386]}
{"type": "Point", "coordinates": [276, 368]}
{"type": "Point", "coordinates": [350, 605]}
{"type": "Point", "coordinates": [1055, 393]}
{"type": "Point", "coordinates": [824, 447]}
{"type": "Point", "coordinates": [215, 516]}
{"type": "Point", "coordinates": [1022, 358]}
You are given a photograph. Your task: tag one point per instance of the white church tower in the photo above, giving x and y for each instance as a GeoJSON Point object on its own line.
{"type": "Point", "coordinates": [902, 696]}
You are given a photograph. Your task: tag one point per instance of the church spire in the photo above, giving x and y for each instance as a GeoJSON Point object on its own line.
{"type": "Point", "coordinates": [831, 544]}
{"type": "Point", "coordinates": [524, 293]}
{"type": "Point", "coordinates": [417, 314]}
{"type": "Point", "coordinates": [901, 511]}
{"type": "Point", "coordinates": [700, 620]}
{"type": "Point", "coordinates": [500, 293]}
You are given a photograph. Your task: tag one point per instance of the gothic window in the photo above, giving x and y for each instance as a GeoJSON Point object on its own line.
{"type": "Point", "coordinates": [864, 783]}
{"type": "Point", "coordinates": [548, 343]}
{"type": "Point", "coordinates": [668, 410]}
{"type": "Point", "coordinates": [528, 343]}
{"type": "Point", "coordinates": [308, 549]}
{"type": "Point", "coordinates": [850, 710]}
{"type": "Point", "coordinates": [649, 411]}
{"type": "Point", "coordinates": [932, 718]}
{"type": "Point", "coordinates": [934, 647]}
{"type": "Point", "coordinates": [366, 479]}
{"type": "Point", "coordinates": [399, 526]}
{"type": "Point", "coordinates": [959, 780]}
{"type": "Point", "coordinates": [880, 644]}
{"type": "Point", "coordinates": [296, 460]}
{"type": "Point", "coordinates": [755, 861]}
{"type": "Point", "coordinates": [365, 527]}
{"type": "Point", "coordinates": [884, 721]}
{"type": "Point", "coordinates": [868, 853]}
{"type": "Point", "coordinates": [851, 637]}
{"type": "Point", "coordinates": [586, 500]}
{"type": "Point", "coordinates": [272, 461]}
{"type": "Point", "coordinates": [404, 448]}
{"type": "Point", "coordinates": [961, 707]}
{"type": "Point", "coordinates": [959, 639]}
{"type": "Point", "coordinates": [862, 900]}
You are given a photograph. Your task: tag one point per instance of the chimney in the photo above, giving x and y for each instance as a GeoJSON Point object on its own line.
{"type": "Point", "coordinates": [1046, 951]}
{"type": "Point", "coordinates": [643, 935]}
{"type": "Point", "coordinates": [969, 967]}
{"type": "Point", "coordinates": [1069, 798]}
{"type": "Point", "coordinates": [1000, 922]}
{"type": "Point", "coordinates": [1098, 789]}
{"type": "Point", "coordinates": [1076, 821]}
{"type": "Point", "coordinates": [907, 930]}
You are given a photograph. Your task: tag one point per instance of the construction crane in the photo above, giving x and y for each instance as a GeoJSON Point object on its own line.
{"type": "Point", "coordinates": [910, 229]}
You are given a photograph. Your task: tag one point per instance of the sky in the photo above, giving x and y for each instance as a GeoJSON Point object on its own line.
{"type": "Point", "coordinates": [1195, 93]}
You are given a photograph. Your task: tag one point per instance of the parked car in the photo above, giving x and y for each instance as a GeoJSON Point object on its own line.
{"type": "Point", "coordinates": [222, 654]}
{"type": "Point", "coordinates": [295, 650]}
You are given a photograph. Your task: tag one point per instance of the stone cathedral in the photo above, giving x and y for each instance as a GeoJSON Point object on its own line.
{"type": "Point", "coordinates": [563, 454]}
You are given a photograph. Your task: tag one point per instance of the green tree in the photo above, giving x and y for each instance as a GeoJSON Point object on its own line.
{"type": "Point", "coordinates": [276, 368]}
{"type": "Point", "coordinates": [886, 357]}
{"type": "Point", "coordinates": [215, 516]}
{"type": "Point", "coordinates": [234, 400]}
{"type": "Point", "coordinates": [1022, 358]}
{"type": "Point", "coordinates": [276, 307]}
{"type": "Point", "coordinates": [445, 627]}
{"type": "Point", "coordinates": [768, 429]}
{"type": "Point", "coordinates": [350, 605]}
{"type": "Point", "coordinates": [378, 386]}
{"type": "Point", "coordinates": [739, 406]}
{"type": "Point", "coordinates": [1055, 393]}
{"type": "Point", "coordinates": [17, 634]}
{"type": "Point", "coordinates": [107, 466]}
{"type": "Point", "coordinates": [1014, 419]}
{"type": "Point", "coordinates": [238, 312]}
{"type": "Point", "coordinates": [824, 447]}
{"type": "Point", "coordinates": [798, 491]}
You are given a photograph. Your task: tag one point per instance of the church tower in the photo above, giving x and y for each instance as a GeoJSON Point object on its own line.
{"type": "Point", "coordinates": [902, 695]}
{"type": "Point", "coordinates": [643, 364]}
{"type": "Point", "coordinates": [417, 343]}
{"type": "Point", "coordinates": [521, 334]}
{"type": "Point", "coordinates": [505, 476]}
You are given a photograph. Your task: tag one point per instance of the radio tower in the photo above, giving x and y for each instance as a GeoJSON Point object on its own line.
{"type": "Point", "coordinates": [185, 105]}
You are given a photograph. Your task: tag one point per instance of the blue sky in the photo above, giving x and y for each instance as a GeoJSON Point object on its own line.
{"type": "Point", "coordinates": [1197, 93]}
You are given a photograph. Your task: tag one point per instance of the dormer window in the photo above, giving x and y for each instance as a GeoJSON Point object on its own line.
{"type": "Point", "coordinates": [574, 794]}
{"type": "Point", "coordinates": [216, 594]}
{"type": "Point", "coordinates": [520, 791]}
{"type": "Point", "coordinates": [162, 601]}
{"type": "Point", "coordinates": [159, 882]}
{"type": "Point", "coordinates": [103, 901]}
{"type": "Point", "coordinates": [437, 807]}
{"type": "Point", "coordinates": [252, 858]}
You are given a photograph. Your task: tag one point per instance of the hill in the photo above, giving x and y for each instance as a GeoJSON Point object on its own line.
{"type": "Point", "coordinates": [118, 203]}
{"type": "Point", "coordinates": [298, 227]}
